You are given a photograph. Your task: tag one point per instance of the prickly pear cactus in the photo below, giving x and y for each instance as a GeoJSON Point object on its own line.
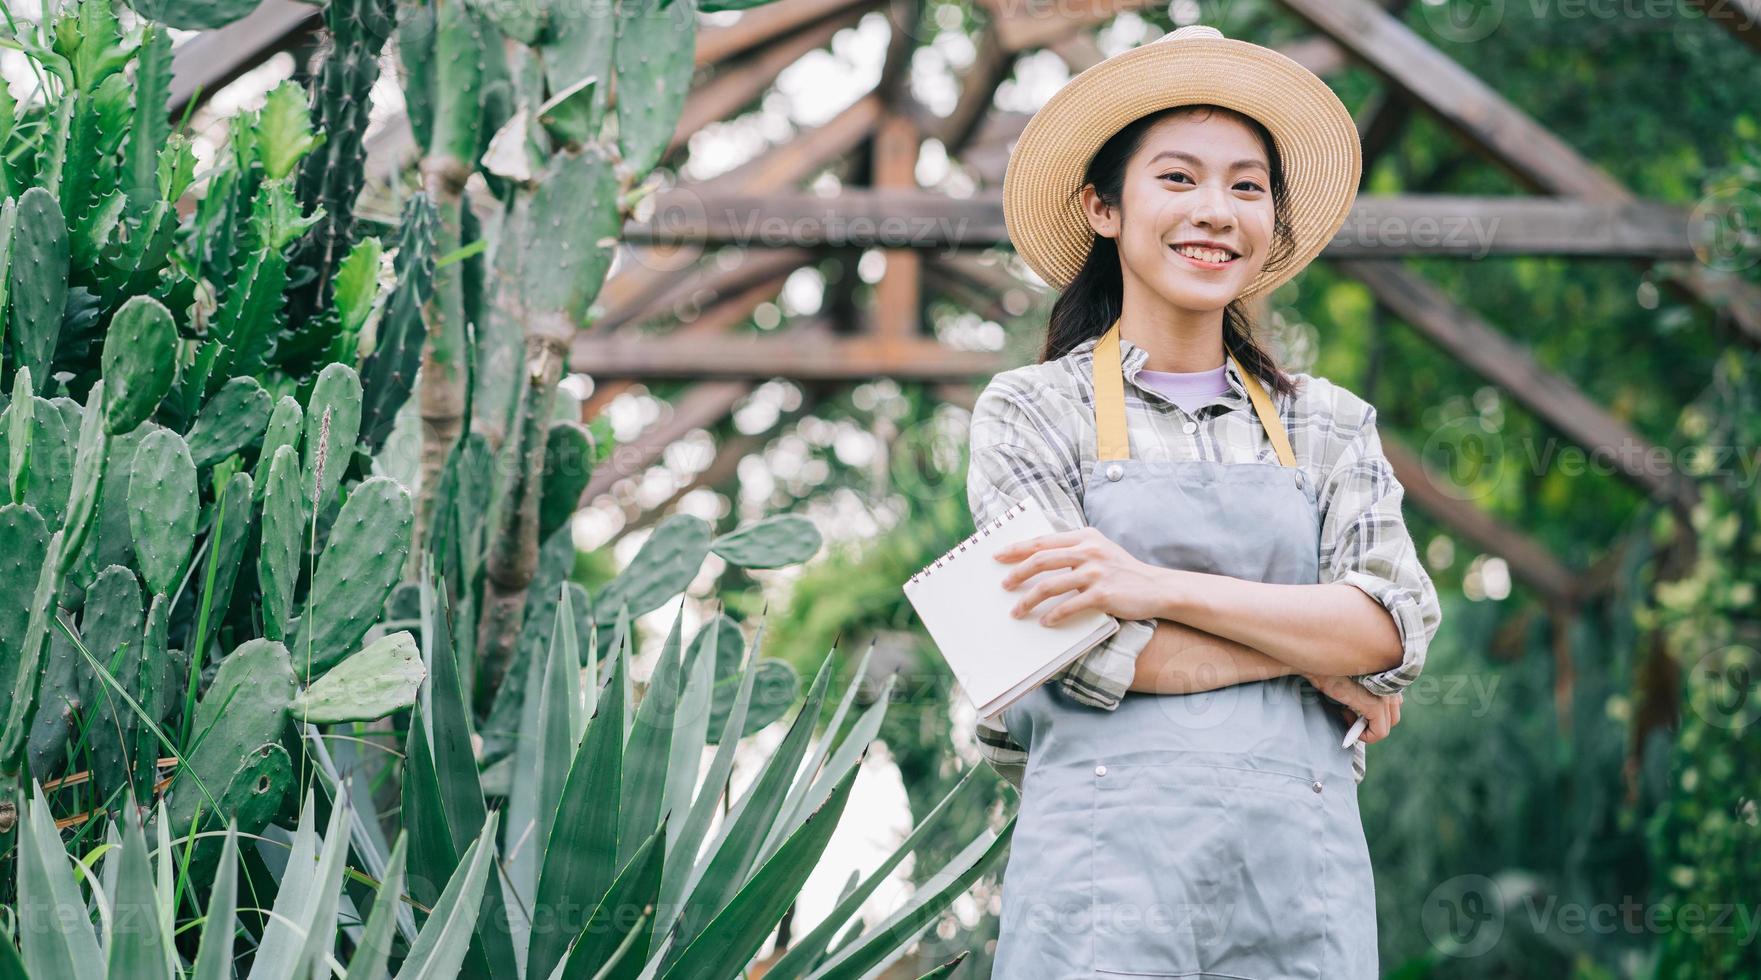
{"type": "Point", "coordinates": [162, 508]}
{"type": "Point", "coordinates": [244, 708]}
{"type": "Point", "coordinates": [232, 419]}
{"type": "Point", "coordinates": [361, 563]}
{"type": "Point", "coordinates": [140, 362]}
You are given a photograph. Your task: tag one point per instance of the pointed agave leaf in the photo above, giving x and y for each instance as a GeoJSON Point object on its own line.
{"type": "Point", "coordinates": [608, 929]}
{"type": "Point", "coordinates": [441, 946]}
{"type": "Point", "coordinates": [683, 870]}
{"type": "Point", "coordinates": [690, 731]}
{"type": "Point", "coordinates": [278, 953]}
{"type": "Point", "coordinates": [214, 960]}
{"type": "Point", "coordinates": [928, 902]}
{"type": "Point", "coordinates": [373, 951]}
{"type": "Point", "coordinates": [580, 851]}
{"type": "Point", "coordinates": [56, 937]}
{"type": "Point", "coordinates": [738, 930]}
{"type": "Point", "coordinates": [549, 732]}
{"type": "Point", "coordinates": [650, 747]}
{"type": "Point", "coordinates": [810, 949]}
{"type": "Point", "coordinates": [733, 856]}
{"type": "Point", "coordinates": [137, 946]}
{"type": "Point", "coordinates": [807, 793]}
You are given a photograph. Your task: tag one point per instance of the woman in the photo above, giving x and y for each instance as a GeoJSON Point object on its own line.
{"type": "Point", "coordinates": [1250, 542]}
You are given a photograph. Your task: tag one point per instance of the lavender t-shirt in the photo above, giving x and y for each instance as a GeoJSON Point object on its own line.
{"type": "Point", "coordinates": [1188, 389]}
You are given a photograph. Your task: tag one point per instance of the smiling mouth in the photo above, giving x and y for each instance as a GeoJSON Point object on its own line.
{"type": "Point", "coordinates": [1207, 258]}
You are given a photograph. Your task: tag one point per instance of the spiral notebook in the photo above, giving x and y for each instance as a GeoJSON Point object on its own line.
{"type": "Point", "coordinates": [960, 597]}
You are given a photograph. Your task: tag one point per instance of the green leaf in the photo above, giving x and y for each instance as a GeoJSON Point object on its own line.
{"type": "Point", "coordinates": [373, 951]}
{"type": "Point", "coordinates": [445, 938]}
{"type": "Point", "coordinates": [137, 946]}
{"type": "Point", "coordinates": [214, 960]}
{"type": "Point", "coordinates": [57, 939]}
{"type": "Point", "coordinates": [382, 678]}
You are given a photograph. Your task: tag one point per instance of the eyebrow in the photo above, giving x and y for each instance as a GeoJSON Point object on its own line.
{"type": "Point", "coordinates": [1195, 161]}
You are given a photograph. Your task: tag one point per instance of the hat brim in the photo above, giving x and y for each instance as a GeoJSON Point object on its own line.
{"type": "Point", "coordinates": [1314, 132]}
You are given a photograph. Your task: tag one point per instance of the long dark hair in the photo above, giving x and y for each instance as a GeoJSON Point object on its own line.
{"type": "Point", "coordinates": [1094, 299]}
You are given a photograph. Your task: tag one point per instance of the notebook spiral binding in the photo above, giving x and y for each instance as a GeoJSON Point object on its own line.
{"type": "Point", "coordinates": [992, 525]}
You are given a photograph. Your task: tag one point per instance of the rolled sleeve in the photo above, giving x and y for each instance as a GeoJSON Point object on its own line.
{"type": "Point", "coordinates": [1018, 451]}
{"type": "Point", "coordinates": [1005, 756]}
{"type": "Point", "coordinates": [1365, 543]}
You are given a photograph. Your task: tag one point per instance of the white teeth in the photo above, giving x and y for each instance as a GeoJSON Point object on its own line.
{"type": "Point", "coordinates": [1204, 254]}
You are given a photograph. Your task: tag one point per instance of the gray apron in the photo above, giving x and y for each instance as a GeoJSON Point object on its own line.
{"type": "Point", "coordinates": [1205, 835]}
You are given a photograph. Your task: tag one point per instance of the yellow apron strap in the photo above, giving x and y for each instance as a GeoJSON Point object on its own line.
{"type": "Point", "coordinates": [1109, 380]}
{"type": "Point", "coordinates": [1109, 383]}
{"type": "Point", "coordinates": [1262, 406]}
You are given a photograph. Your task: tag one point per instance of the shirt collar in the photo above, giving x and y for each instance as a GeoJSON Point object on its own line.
{"type": "Point", "coordinates": [1132, 358]}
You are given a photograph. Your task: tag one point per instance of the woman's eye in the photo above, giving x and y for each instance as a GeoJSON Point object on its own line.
{"type": "Point", "coordinates": [1251, 185]}
{"type": "Point", "coordinates": [1174, 174]}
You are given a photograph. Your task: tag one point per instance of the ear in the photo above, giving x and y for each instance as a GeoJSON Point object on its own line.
{"type": "Point", "coordinates": [1102, 219]}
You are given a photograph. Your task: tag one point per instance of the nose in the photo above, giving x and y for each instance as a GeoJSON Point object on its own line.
{"type": "Point", "coordinates": [1212, 207]}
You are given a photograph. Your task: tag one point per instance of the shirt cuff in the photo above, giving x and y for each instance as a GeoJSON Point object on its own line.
{"type": "Point", "coordinates": [1004, 755]}
{"type": "Point", "coordinates": [1101, 677]}
{"type": "Point", "coordinates": [1406, 607]}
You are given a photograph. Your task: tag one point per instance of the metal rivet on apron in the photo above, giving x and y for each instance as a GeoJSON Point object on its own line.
{"type": "Point", "coordinates": [1189, 428]}
{"type": "Point", "coordinates": [1115, 471]}
{"type": "Point", "coordinates": [1100, 770]}
{"type": "Point", "coordinates": [1299, 478]}
{"type": "Point", "coordinates": [1317, 786]}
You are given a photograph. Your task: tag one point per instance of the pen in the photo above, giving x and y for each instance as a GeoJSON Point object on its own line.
{"type": "Point", "coordinates": [1357, 728]}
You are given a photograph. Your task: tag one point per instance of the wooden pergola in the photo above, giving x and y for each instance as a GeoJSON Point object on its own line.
{"type": "Point", "coordinates": [931, 241]}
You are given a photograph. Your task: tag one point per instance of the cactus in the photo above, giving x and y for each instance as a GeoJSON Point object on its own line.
{"type": "Point", "coordinates": [333, 421]}
{"type": "Point", "coordinates": [162, 508]}
{"type": "Point", "coordinates": [140, 361]}
{"type": "Point", "coordinates": [356, 573]}
{"type": "Point", "coordinates": [195, 15]}
{"type": "Point", "coordinates": [19, 416]}
{"type": "Point", "coordinates": [233, 517]}
{"type": "Point", "coordinates": [389, 374]}
{"type": "Point", "coordinates": [284, 428]}
{"type": "Point", "coordinates": [39, 279]}
{"type": "Point", "coordinates": [24, 547]}
{"type": "Point", "coordinates": [330, 179]}
{"type": "Point", "coordinates": [111, 628]}
{"type": "Point", "coordinates": [373, 683]}
{"type": "Point", "coordinates": [653, 52]}
{"type": "Point", "coordinates": [279, 555]}
{"type": "Point", "coordinates": [666, 564]}
{"type": "Point", "coordinates": [244, 708]}
{"type": "Point", "coordinates": [568, 466]}
{"type": "Point", "coordinates": [785, 539]}
{"type": "Point", "coordinates": [233, 419]}
{"type": "Point", "coordinates": [156, 678]}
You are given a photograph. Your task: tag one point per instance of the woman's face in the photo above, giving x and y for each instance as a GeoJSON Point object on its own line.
{"type": "Point", "coordinates": [1198, 177]}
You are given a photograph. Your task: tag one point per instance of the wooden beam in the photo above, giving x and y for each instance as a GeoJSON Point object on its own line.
{"type": "Point", "coordinates": [811, 351]}
{"type": "Point", "coordinates": [991, 64]}
{"type": "Point", "coordinates": [205, 63]}
{"type": "Point", "coordinates": [1494, 356]}
{"type": "Point", "coordinates": [1529, 560]}
{"type": "Point", "coordinates": [1378, 226]}
{"type": "Point", "coordinates": [735, 86]}
{"type": "Point", "coordinates": [1506, 134]}
{"type": "Point", "coordinates": [1024, 24]}
{"type": "Point", "coordinates": [765, 26]}
{"type": "Point", "coordinates": [898, 294]}
{"type": "Point", "coordinates": [701, 405]}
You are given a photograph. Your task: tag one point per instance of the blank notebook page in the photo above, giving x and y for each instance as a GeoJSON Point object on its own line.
{"type": "Point", "coordinates": [960, 597]}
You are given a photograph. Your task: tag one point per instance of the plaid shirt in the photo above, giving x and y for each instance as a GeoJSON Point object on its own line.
{"type": "Point", "coordinates": [1033, 434]}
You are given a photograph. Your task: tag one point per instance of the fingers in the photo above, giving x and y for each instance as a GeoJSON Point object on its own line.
{"type": "Point", "coordinates": [1047, 587]}
{"type": "Point", "coordinates": [1057, 539]}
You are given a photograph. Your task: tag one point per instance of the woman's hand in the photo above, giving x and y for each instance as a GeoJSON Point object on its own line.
{"type": "Point", "coordinates": [1103, 575]}
{"type": "Point", "coordinates": [1383, 711]}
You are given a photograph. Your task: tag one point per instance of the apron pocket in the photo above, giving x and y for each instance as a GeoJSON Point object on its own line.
{"type": "Point", "coordinates": [1203, 869]}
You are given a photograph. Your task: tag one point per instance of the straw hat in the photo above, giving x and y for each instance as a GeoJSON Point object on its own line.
{"type": "Point", "coordinates": [1313, 131]}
